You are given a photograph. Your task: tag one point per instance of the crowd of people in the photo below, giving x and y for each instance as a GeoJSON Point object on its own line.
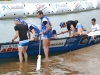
{"type": "Point", "coordinates": [22, 28]}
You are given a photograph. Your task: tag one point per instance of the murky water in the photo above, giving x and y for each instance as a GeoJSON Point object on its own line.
{"type": "Point", "coordinates": [84, 61]}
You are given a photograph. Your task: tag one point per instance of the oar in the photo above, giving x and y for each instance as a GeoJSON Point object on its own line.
{"type": "Point", "coordinates": [62, 33]}
{"type": "Point", "coordinates": [39, 57]}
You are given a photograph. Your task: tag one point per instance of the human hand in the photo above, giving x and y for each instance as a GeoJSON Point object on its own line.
{"type": "Point", "coordinates": [12, 41]}
{"type": "Point", "coordinates": [41, 33]}
{"type": "Point", "coordinates": [62, 32]}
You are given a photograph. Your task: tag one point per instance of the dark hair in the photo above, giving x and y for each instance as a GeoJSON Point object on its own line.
{"type": "Point", "coordinates": [93, 19]}
{"type": "Point", "coordinates": [39, 12]}
{"type": "Point", "coordinates": [64, 23]}
{"type": "Point", "coordinates": [76, 21]}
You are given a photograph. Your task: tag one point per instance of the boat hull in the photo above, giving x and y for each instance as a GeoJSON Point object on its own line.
{"type": "Point", "coordinates": [9, 50]}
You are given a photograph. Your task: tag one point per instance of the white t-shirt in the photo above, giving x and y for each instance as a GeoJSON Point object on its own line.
{"type": "Point", "coordinates": [95, 27]}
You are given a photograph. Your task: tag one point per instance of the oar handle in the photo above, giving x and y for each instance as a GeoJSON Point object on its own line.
{"type": "Point", "coordinates": [62, 33]}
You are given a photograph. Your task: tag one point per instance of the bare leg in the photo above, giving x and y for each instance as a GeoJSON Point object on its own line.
{"type": "Point", "coordinates": [45, 47]}
{"type": "Point", "coordinates": [20, 50]}
{"type": "Point", "coordinates": [93, 37]}
{"type": "Point", "coordinates": [84, 33]}
{"type": "Point", "coordinates": [21, 67]}
{"type": "Point", "coordinates": [25, 54]}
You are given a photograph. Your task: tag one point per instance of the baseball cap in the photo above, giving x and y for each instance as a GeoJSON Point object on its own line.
{"type": "Point", "coordinates": [61, 24]}
{"type": "Point", "coordinates": [23, 22]}
{"type": "Point", "coordinates": [17, 19]}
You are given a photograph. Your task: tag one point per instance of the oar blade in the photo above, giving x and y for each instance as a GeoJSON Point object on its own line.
{"type": "Point", "coordinates": [38, 63]}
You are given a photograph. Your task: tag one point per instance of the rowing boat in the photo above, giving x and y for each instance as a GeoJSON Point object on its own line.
{"type": "Point", "coordinates": [10, 50]}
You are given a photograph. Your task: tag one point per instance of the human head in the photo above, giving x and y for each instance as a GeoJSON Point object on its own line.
{"type": "Point", "coordinates": [76, 21]}
{"type": "Point", "coordinates": [39, 14]}
{"type": "Point", "coordinates": [23, 22]}
{"type": "Point", "coordinates": [17, 20]}
{"type": "Point", "coordinates": [93, 21]}
{"type": "Point", "coordinates": [62, 25]}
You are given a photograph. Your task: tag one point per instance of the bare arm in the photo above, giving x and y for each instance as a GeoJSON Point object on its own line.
{"type": "Point", "coordinates": [73, 29]}
{"type": "Point", "coordinates": [65, 31]}
{"type": "Point", "coordinates": [28, 34]}
{"type": "Point", "coordinates": [84, 29]}
{"type": "Point", "coordinates": [33, 33]}
{"type": "Point", "coordinates": [69, 33]}
{"type": "Point", "coordinates": [16, 35]}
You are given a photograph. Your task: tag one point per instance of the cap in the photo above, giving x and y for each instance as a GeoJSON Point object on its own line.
{"type": "Point", "coordinates": [23, 22]}
{"type": "Point", "coordinates": [17, 19]}
{"type": "Point", "coordinates": [61, 24]}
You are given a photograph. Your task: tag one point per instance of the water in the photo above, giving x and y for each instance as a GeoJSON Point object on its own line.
{"type": "Point", "coordinates": [7, 26]}
{"type": "Point", "coordinates": [85, 61]}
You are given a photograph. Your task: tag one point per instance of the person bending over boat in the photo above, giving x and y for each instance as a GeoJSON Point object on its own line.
{"type": "Point", "coordinates": [33, 29]}
{"type": "Point", "coordinates": [71, 25]}
{"type": "Point", "coordinates": [54, 33]}
{"type": "Point", "coordinates": [21, 31]}
{"type": "Point", "coordinates": [79, 29]}
{"type": "Point", "coordinates": [94, 26]}
{"type": "Point", "coordinates": [46, 32]}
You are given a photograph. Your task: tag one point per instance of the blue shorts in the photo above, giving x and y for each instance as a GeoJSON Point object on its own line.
{"type": "Point", "coordinates": [37, 35]}
{"type": "Point", "coordinates": [23, 43]}
{"type": "Point", "coordinates": [45, 37]}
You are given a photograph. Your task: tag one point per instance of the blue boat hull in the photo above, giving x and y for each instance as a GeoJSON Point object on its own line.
{"type": "Point", "coordinates": [9, 50]}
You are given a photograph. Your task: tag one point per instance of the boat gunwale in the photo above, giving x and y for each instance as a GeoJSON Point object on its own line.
{"type": "Point", "coordinates": [50, 39]}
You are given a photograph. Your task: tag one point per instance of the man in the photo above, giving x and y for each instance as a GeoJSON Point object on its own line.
{"type": "Point", "coordinates": [46, 32]}
{"type": "Point", "coordinates": [79, 29]}
{"type": "Point", "coordinates": [33, 29]}
{"type": "Point", "coordinates": [71, 25]}
{"type": "Point", "coordinates": [94, 26]}
{"type": "Point", "coordinates": [21, 31]}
